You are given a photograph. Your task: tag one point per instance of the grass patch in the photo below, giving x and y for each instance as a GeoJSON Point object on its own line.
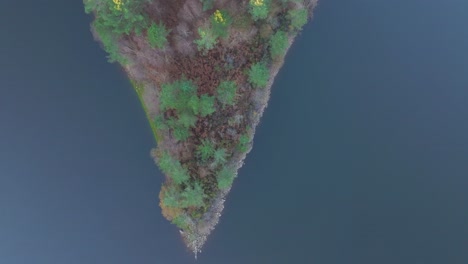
{"type": "Point", "coordinates": [139, 91]}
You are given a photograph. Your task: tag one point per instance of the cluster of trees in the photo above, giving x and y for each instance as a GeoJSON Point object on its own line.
{"type": "Point", "coordinates": [115, 18]}
{"type": "Point", "coordinates": [184, 192]}
{"type": "Point", "coordinates": [207, 151]}
{"type": "Point", "coordinates": [182, 97]}
{"type": "Point", "coordinates": [190, 196]}
{"type": "Point", "coordinates": [172, 168]}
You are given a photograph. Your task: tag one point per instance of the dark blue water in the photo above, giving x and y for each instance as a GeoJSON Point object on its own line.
{"type": "Point", "coordinates": [361, 157]}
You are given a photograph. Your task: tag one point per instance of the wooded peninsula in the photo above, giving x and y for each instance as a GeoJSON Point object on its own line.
{"type": "Point", "coordinates": [202, 70]}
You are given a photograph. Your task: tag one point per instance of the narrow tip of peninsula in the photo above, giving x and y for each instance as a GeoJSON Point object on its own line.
{"type": "Point", "coordinates": [203, 71]}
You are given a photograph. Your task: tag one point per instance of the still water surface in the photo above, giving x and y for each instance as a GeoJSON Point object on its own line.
{"type": "Point", "coordinates": [361, 157]}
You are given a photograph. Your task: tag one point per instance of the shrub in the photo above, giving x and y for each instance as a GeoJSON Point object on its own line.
{"type": "Point", "coordinates": [220, 22]}
{"type": "Point", "coordinates": [278, 44]}
{"type": "Point", "coordinates": [206, 149]}
{"type": "Point", "coordinates": [157, 35]}
{"type": "Point", "coordinates": [225, 178]}
{"type": "Point", "coordinates": [259, 9]}
{"type": "Point", "coordinates": [207, 39]}
{"type": "Point", "coordinates": [298, 18]}
{"type": "Point", "coordinates": [259, 75]}
{"type": "Point", "coordinates": [226, 92]}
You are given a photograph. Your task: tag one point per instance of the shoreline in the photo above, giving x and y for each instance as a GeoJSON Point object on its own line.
{"type": "Point", "coordinates": [228, 129]}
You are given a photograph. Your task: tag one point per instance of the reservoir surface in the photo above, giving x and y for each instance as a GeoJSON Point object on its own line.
{"type": "Point", "coordinates": [361, 156]}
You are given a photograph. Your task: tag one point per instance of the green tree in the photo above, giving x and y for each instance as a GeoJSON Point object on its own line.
{"type": "Point", "coordinates": [181, 221]}
{"type": "Point", "coordinates": [278, 44]}
{"type": "Point", "coordinates": [181, 133]}
{"type": "Point", "coordinates": [206, 105]}
{"type": "Point", "coordinates": [219, 156]}
{"type": "Point", "coordinates": [157, 35]}
{"type": "Point", "coordinates": [160, 122]}
{"type": "Point", "coordinates": [165, 162]}
{"type": "Point", "coordinates": [181, 95]}
{"type": "Point", "coordinates": [194, 104]}
{"type": "Point", "coordinates": [179, 174]}
{"type": "Point", "coordinates": [109, 42]}
{"type": "Point", "coordinates": [193, 196]}
{"type": "Point", "coordinates": [259, 75]}
{"type": "Point", "coordinates": [226, 92]}
{"type": "Point", "coordinates": [243, 144]}
{"type": "Point", "coordinates": [187, 119]}
{"type": "Point", "coordinates": [120, 17]}
{"type": "Point", "coordinates": [172, 198]}
{"type": "Point", "coordinates": [298, 18]}
{"type": "Point", "coordinates": [259, 9]}
{"type": "Point", "coordinates": [220, 22]}
{"type": "Point", "coordinates": [206, 149]}
{"type": "Point", "coordinates": [207, 39]}
{"type": "Point", "coordinates": [168, 96]}
{"type": "Point", "coordinates": [172, 168]}
{"type": "Point", "coordinates": [225, 178]}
